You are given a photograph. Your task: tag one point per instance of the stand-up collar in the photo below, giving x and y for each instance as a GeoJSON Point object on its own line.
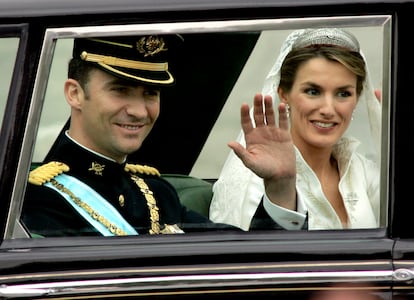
{"type": "Point", "coordinates": [81, 161]}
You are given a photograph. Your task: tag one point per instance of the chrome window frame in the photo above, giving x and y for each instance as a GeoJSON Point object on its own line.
{"type": "Point", "coordinates": [53, 34]}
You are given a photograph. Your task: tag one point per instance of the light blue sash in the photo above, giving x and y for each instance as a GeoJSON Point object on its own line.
{"type": "Point", "coordinates": [95, 201]}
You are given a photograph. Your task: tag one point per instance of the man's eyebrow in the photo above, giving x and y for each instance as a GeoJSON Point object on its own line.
{"type": "Point", "coordinates": [119, 81]}
{"type": "Point", "coordinates": [127, 83]}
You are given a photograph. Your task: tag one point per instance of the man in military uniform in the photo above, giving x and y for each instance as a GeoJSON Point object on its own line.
{"type": "Point", "coordinates": [85, 186]}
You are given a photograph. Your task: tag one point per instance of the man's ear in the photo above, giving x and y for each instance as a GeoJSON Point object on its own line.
{"type": "Point", "coordinates": [74, 93]}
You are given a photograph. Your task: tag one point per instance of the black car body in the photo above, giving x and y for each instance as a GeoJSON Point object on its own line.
{"type": "Point", "coordinates": [220, 37]}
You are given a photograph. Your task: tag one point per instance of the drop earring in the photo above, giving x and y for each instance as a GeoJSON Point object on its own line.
{"type": "Point", "coordinates": [287, 107]}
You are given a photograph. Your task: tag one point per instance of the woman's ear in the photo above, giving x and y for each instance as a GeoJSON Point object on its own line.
{"type": "Point", "coordinates": [282, 95]}
{"type": "Point", "coordinates": [74, 93]}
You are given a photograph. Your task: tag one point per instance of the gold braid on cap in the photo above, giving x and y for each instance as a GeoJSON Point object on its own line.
{"type": "Point", "coordinates": [108, 62]}
{"type": "Point", "coordinates": [123, 63]}
{"type": "Point", "coordinates": [327, 36]}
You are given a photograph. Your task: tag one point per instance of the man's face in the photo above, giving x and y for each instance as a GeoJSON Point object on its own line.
{"type": "Point", "coordinates": [115, 115]}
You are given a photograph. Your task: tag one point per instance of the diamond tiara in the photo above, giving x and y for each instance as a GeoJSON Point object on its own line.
{"type": "Point", "coordinates": [327, 36]}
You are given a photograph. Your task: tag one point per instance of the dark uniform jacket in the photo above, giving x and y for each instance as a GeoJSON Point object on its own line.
{"type": "Point", "coordinates": [47, 213]}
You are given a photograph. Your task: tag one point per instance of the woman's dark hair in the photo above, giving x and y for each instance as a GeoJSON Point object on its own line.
{"type": "Point", "coordinates": [352, 60]}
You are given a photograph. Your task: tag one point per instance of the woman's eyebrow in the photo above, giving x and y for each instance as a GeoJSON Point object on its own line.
{"type": "Point", "coordinates": [317, 86]}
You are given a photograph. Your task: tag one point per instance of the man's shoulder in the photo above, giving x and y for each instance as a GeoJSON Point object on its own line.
{"type": "Point", "coordinates": [46, 172]}
{"type": "Point", "coordinates": [142, 169]}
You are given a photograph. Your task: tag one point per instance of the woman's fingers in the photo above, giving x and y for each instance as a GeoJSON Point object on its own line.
{"type": "Point", "coordinates": [283, 116]}
{"type": "Point", "coordinates": [258, 114]}
{"type": "Point", "coordinates": [269, 111]}
{"type": "Point", "coordinates": [263, 114]}
{"type": "Point", "coordinates": [245, 119]}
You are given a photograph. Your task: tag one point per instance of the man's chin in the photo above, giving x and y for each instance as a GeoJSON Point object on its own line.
{"type": "Point", "coordinates": [129, 144]}
{"type": "Point", "coordinates": [129, 149]}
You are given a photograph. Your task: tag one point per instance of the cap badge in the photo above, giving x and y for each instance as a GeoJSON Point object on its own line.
{"type": "Point", "coordinates": [150, 45]}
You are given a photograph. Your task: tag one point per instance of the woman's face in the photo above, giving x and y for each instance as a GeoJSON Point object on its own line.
{"type": "Point", "coordinates": [322, 100]}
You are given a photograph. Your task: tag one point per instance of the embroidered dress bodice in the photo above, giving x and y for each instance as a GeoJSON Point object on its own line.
{"type": "Point", "coordinates": [237, 202]}
{"type": "Point", "coordinates": [356, 174]}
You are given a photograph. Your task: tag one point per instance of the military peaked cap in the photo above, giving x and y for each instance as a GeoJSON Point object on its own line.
{"type": "Point", "coordinates": [139, 58]}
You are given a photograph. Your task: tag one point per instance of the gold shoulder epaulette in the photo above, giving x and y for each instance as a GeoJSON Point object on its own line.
{"type": "Point", "coordinates": [142, 169]}
{"type": "Point", "coordinates": [46, 172]}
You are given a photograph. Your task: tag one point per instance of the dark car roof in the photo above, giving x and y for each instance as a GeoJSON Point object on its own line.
{"type": "Point", "coordinates": [22, 9]}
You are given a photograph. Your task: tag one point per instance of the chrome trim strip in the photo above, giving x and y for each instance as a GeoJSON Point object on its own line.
{"type": "Point", "coordinates": [219, 26]}
{"type": "Point", "coordinates": [228, 269]}
{"type": "Point", "coordinates": [207, 281]}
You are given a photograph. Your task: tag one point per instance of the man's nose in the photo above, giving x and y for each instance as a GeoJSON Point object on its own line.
{"type": "Point", "coordinates": [137, 107]}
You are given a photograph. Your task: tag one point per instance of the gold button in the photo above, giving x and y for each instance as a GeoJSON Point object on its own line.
{"type": "Point", "coordinates": [121, 200]}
